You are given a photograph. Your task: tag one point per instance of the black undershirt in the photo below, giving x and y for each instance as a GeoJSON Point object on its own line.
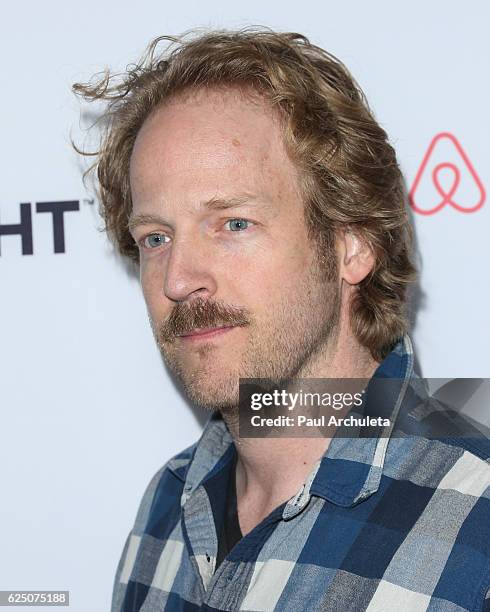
{"type": "Point", "coordinates": [230, 532]}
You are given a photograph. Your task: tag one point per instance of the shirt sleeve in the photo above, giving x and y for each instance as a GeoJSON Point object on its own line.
{"type": "Point", "coordinates": [486, 602]}
{"type": "Point", "coordinates": [119, 588]}
{"type": "Point", "coordinates": [131, 545]}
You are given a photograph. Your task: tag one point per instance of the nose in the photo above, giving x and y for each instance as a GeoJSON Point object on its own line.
{"type": "Point", "coordinates": [189, 271]}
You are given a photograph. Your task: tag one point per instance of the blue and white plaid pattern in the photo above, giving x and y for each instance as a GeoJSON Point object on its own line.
{"type": "Point", "coordinates": [382, 524]}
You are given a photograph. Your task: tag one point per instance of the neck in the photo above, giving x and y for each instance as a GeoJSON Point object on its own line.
{"type": "Point", "coordinates": [262, 478]}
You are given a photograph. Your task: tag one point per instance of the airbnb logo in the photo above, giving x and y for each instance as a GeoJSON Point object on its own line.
{"type": "Point", "coordinates": [446, 176]}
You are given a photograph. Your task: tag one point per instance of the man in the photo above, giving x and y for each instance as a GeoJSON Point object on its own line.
{"type": "Point", "coordinates": [245, 174]}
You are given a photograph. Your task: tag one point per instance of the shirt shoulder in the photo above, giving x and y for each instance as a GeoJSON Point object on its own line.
{"type": "Point", "coordinates": [451, 458]}
{"type": "Point", "coordinates": [167, 481]}
{"type": "Point", "coordinates": [160, 503]}
{"type": "Point", "coordinates": [444, 417]}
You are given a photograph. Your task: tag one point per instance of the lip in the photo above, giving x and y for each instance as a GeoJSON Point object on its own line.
{"type": "Point", "coordinates": [201, 334]}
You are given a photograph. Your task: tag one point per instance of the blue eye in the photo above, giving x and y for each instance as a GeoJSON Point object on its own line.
{"type": "Point", "coordinates": [154, 240]}
{"type": "Point", "coordinates": [238, 224]}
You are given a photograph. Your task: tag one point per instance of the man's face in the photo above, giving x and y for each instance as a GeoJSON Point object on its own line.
{"type": "Point", "coordinates": [224, 243]}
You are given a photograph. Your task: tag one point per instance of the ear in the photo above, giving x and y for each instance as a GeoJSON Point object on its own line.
{"type": "Point", "coordinates": [356, 257]}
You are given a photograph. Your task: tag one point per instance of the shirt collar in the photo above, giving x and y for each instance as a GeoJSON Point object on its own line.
{"type": "Point", "coordinates": [351, 468]}
{"type": "Point", "coordinates": [211, 453]}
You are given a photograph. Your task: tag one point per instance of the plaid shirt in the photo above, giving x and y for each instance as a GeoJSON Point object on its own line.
{"type": "Point", "coordinates": [381, 524]}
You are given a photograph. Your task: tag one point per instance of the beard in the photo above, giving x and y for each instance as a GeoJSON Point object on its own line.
{"type": "Point", "coordinates": [283, 342]}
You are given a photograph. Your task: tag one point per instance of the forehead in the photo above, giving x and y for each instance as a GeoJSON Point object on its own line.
{"type": "Point", "coordinates": [214, 139]}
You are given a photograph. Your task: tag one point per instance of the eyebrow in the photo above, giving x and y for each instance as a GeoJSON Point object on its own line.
{"type": "Point", "coordinates": [212, 204]}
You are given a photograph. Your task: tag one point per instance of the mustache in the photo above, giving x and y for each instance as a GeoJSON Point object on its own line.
{"type": "Point", "coordinates": [201, 313]}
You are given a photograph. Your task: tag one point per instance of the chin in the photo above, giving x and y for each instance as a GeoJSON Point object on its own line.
{"type": "Point", "coordinates": [217, 394]}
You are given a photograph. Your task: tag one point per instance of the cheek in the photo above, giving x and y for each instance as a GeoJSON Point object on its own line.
{"type": "Point", "coordinates": [151, 281]}
{"type": "Point", "coordinates": [275, 288]}
{"type": "Point", "coordinates": [285, 271]}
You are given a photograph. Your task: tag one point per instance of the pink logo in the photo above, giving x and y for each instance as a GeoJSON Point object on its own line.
{"type": "Point", "coordinates": [447, 194]}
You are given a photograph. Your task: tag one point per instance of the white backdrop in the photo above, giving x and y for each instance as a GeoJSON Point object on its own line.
{"type": "Point", "coordinates": [88, 413]}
